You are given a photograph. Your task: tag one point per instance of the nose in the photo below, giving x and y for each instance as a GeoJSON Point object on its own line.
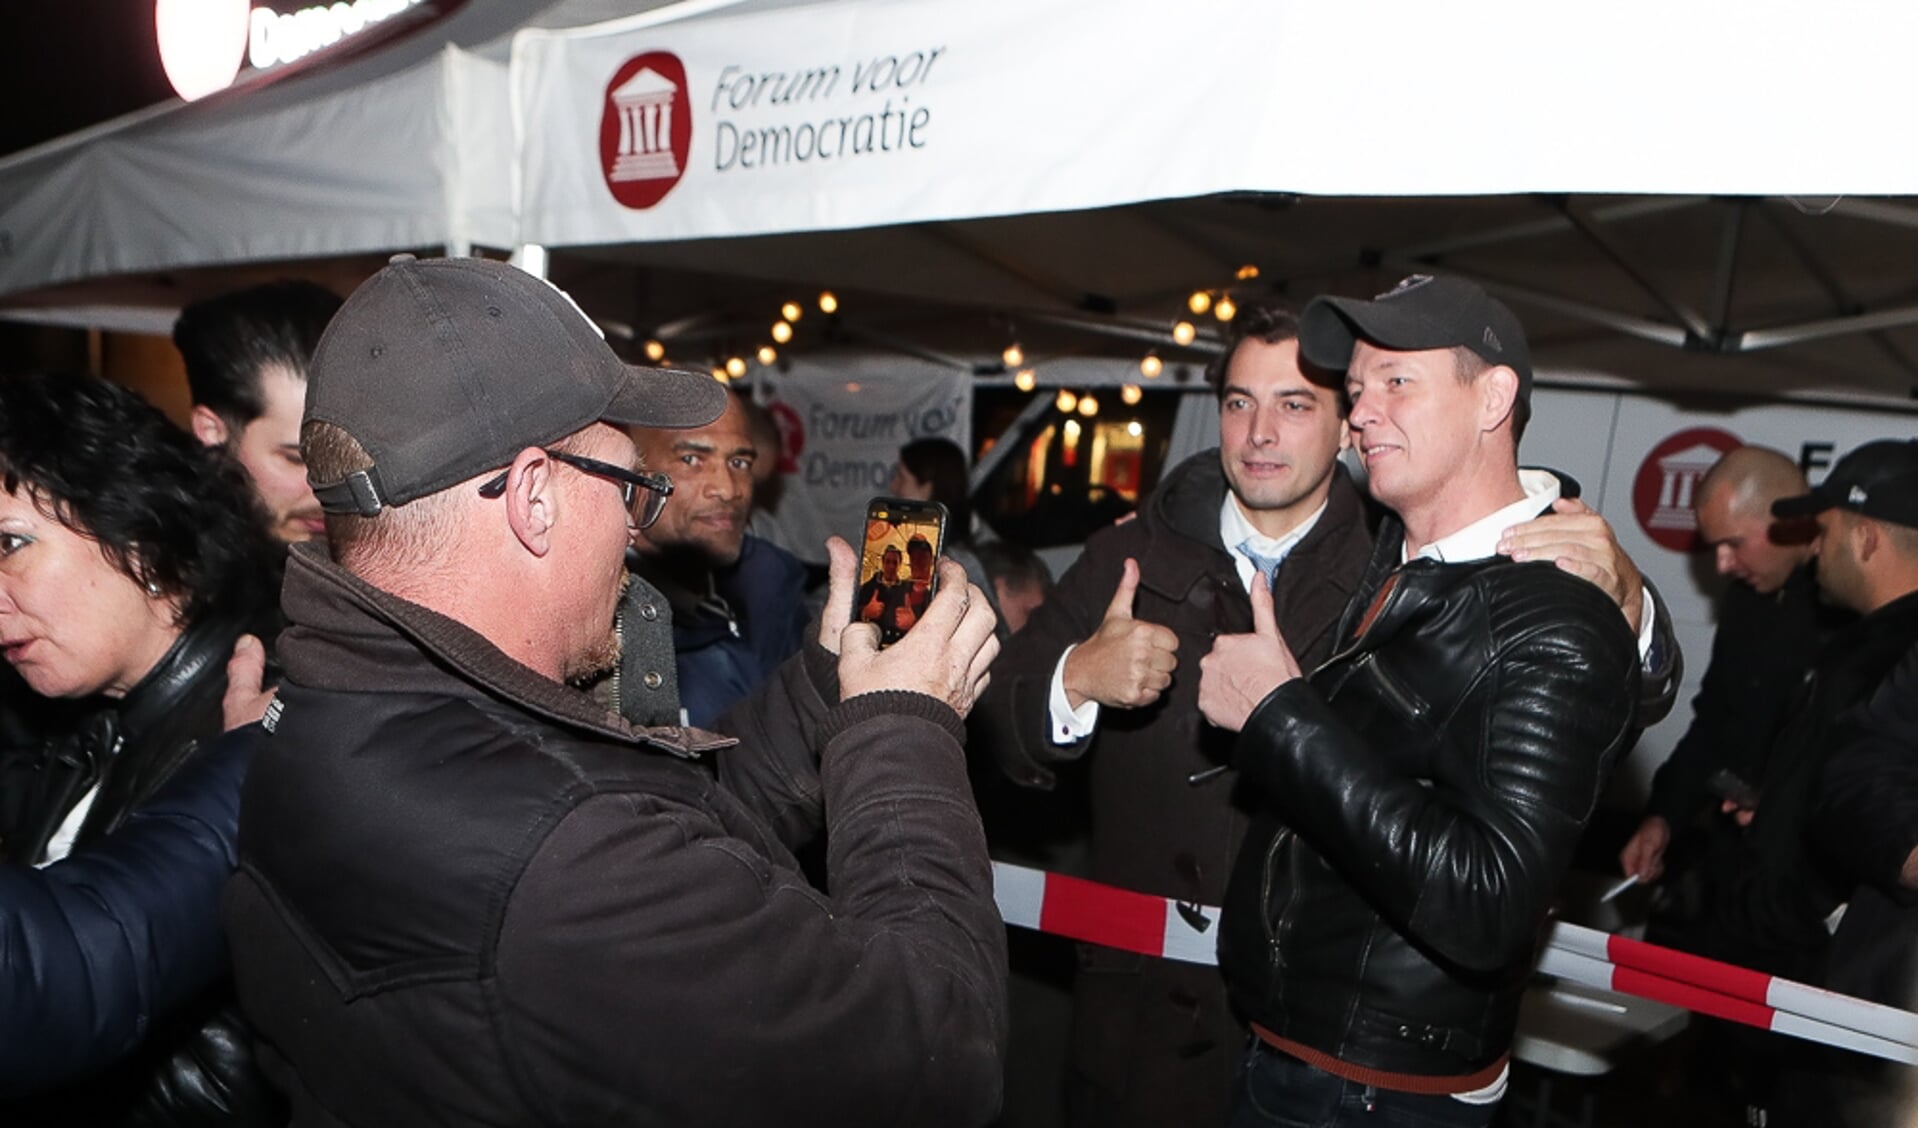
{"type": "Point", "coordinates": [1262, 432]}
{"type": "Point", "coordinates": [1725, 559]}
{"type": "Point", "coordinates": [1360, 415]}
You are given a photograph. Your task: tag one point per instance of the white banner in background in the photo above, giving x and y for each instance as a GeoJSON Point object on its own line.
{"type": "Point", "coordinates": [842, 422]}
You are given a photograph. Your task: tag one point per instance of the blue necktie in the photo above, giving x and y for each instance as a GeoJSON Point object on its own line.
{"type": "Point", "coordinates": [1268, 566]}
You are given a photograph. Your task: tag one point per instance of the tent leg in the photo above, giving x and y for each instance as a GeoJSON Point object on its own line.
{"type": "Point", "coordinates": [530, 257]}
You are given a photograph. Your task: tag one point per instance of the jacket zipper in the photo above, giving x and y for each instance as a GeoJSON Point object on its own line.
{"type": "Point", "coordinates": [619, 638]}
{"type": "Point", "coordinates": [1404, 701]}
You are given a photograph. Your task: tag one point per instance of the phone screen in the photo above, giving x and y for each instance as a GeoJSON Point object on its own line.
{"type": "Point", "coordinates": [897, 564]}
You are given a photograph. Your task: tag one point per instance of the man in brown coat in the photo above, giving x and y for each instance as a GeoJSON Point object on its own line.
{"type": "Point", "coordinates": [1116, 649]}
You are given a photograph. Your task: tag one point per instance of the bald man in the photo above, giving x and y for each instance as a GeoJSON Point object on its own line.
{"type": "Point", "coordinates": [1770, 622]}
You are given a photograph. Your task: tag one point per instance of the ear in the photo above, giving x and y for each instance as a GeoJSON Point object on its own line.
{"type": "Point", "coordinates": [1498, 391]}
{"type": "Point", "coordinates": [208, 427]}
{"type": "Point", "coordinates": [1866, 539]}
{"type": "Point", "coordinates": [532, 502]}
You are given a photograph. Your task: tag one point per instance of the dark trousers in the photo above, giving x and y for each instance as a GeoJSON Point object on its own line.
{"type": "Point", "coordinates": [1276, 1090]}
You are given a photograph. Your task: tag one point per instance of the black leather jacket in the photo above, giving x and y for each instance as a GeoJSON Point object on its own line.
{"type": "Point", "coordinates": [1420, 797]}
{"type": "Point", "coordinates": [194, 1065]}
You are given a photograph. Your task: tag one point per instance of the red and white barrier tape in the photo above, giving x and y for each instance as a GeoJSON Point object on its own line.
{"type": "Point", "coordinates": [1155, 926]}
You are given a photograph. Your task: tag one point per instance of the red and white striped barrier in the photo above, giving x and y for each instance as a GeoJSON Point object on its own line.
{"type": "Point", "coordinates": [1139, 922]}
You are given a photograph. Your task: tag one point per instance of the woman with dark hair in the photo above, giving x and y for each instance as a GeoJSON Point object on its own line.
{"type": "Point", "coordinates": [935, 470]}
{"type": "Point", "coordinates": [132, 560]}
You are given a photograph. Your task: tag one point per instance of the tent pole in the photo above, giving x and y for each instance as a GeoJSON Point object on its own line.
{"type": "Point", "coordinates": [1842, 300]}
{"type": "Point", "coordinates": [1632, 326]}
{"type": "Point", "coordinates": [1829, 327]}
{"type": "Point", "coordinates": [1537, 228]}
{"type": "Point", "coordinates": [1602, 239]}
{"type": "Point", "coordinates": [530, 257]}
{"type": "Point", "coordinates": [1730, 238]}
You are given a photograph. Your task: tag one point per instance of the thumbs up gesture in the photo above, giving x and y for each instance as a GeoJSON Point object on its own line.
{"type": "Point", "coordinates": [1127, 662]}
{"type": "Point", "coordinates": [1243, 670]}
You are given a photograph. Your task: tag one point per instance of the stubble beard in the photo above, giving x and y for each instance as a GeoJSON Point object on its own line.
{"type": "Point", "coordinates": [601, 657]}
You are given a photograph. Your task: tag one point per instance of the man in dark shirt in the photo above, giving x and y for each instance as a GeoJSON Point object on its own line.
{"type": "Point", "coordinates": [1770, 622]}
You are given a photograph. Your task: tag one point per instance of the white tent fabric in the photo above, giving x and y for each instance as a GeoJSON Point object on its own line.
{"type": "Point", "coordinates": [1013, 106]}
{"type": "Point", "coordinates": [408, 147]}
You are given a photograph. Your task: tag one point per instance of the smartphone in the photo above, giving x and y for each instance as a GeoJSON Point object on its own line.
{"type": "Point", "coordinates": [898, 564]}
{"type": "Point", "coordinates": [1726, 784]}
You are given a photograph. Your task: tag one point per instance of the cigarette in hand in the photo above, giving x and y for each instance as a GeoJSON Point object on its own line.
{"type": "Point", "coordinates": [1621, 887]}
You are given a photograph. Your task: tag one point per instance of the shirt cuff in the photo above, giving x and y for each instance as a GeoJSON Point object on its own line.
{"type": "Point", "coordinates": [1646, 624]}
{"type": "Point", "coordinates": [1067, 725]}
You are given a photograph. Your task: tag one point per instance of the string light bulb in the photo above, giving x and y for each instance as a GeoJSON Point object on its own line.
{"type": "Point", "coordinates": [1247, 273]}
{"type": "Point", "coordinates": [1088, 406]}
{"type": "Point", "coordinates": [719, 374]}
{"type": "Point", "coordinates": [1199, 302]}
{"type": "Point", "coordinates": [767, 355]}
{"type": "Point", "coordinates": [1184, 332]}
{"type": "Point", "coordinates": [828, 303]}
{"type": "Point", "coordinates": [1224, 309]}
{"type": "Point", "coordinates": [1014, 356]}
{"type": "Point", "coordinates": [782, 331]}
{"type": "Point", "coordinates": [790, 311]}
{"type": "Point", "coordinates": [735, 367]}
{"type": "Point", "coordinates": [1151, 366]}
{"type": "Point", "coordinates": [1025, 380]}
{"type": "Point", "coordinates": [1131, 394]}
{"type": "Point", "coordinates": [655, 350]}
{"type": "Point", "coordinates": [1065, 401]}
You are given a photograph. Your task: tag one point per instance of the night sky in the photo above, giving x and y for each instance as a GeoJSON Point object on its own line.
{"type": "Point", "coordinates": [66, 64]}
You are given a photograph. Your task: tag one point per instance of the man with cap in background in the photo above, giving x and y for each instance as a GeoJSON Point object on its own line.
{"type": "Point", "coordinates": [1774, 914]}
{"type": "Point", "coordinates": [1417, 798]}
{"type": "Point", "coordinates": [1106, 669]}
{"type": "Point", "coordinates": [469, 893]}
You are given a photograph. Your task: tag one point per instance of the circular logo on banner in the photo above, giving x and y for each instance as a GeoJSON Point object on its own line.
{"type": "Point", "coordinates": [645, 129]}
{"type": "Point", "coordinates": [1663, 492]}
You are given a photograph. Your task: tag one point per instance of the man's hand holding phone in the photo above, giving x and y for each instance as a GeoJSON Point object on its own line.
{"type": "Point", "coordinates": [945, 656]}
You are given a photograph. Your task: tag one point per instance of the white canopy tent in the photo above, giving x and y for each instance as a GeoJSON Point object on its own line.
{"type": "Point", "coordinates": [1063, 159]}
{"type": "Point", "coordinates": [1694, 196]}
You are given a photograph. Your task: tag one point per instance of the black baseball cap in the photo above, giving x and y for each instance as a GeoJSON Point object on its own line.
{"type": "Point", "coordinates": [1879, 479]}
{"type": "Point", "coordinates": [444, 369]}
{"type": "Point", "coordinates": [1424, 311]}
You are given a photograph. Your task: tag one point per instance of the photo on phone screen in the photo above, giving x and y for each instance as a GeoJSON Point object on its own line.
{"type": "Point", "coordinates": [897, 564]}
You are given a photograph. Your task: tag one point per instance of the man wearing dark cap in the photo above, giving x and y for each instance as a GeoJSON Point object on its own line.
{"type": "Point", "coordinates": [469, 892]}
{"type": "Point", "coordinates": [1105, 670]}
{"type": "Point", "coordinates": [1775, 914]}
{"type": "Point", "coordinates": [1419, 796]}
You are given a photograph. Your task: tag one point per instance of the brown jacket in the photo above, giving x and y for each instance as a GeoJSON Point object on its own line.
{"type": "Point", "coordinates": [468, 894]}
{"type": "Point", "coordinates": [1153, 1039]}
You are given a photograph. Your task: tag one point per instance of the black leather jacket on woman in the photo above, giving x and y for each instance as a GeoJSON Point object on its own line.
{"type": "Point", "coordinates": [1421, 794]}
{"type": "Point", "coordinates": [194, 1065]}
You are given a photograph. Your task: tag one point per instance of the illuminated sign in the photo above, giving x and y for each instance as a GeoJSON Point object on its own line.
{"type": "Point", "coordinates": [202, 42]}
{"type": "Point", "coordinates": [273, 38]}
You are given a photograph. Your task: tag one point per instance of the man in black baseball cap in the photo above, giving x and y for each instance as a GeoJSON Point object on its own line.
{"type": "Point", "coordinates": [1773, 918]}
{"type": "Point", "coordinates": [1879, 480]}
{"type": "Point", "coordinates": [470, 891]}
{"type": "Point", "coordinates": [1418, 797]}
{"type": "Point", "coordinates": [1867, 513]}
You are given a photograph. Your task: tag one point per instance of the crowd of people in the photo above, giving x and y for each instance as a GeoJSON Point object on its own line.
{"type": "Point", "coordinates": [425, 736]}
